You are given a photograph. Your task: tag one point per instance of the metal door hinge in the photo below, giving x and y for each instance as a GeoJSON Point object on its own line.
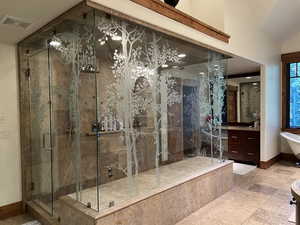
{"type": "Point", "coordinates": [27, 73]}
{"type": "Point", "coordinates": [32, 186]}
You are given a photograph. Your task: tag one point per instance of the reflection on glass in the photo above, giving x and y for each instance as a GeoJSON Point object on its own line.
{"type": "Point", "coordinates": [132, 109]}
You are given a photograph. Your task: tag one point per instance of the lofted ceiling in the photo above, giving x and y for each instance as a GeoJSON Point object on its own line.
{"type": "Point", "coordinates": [36, 12]}
{"type": "Point", "coordinates": [238, 65]}
{"type": "Point", "coordinates": [281, 19]}
{"type": "Point", "coordinates": [277, 18]}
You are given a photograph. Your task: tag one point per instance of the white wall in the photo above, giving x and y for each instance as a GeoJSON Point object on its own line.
{"type": "Point", "coordinates": [203, 10]}
{"type": "Point", "coordinates": [185, 6]}
{"type": "Point", "coordinates": [10, 165]}
{"type": "Point", "coordinates": [271, 112]}
{"type": "Point", "coordinates": [210, 12]}
{"type": "Point", "coordinates": [291, 44]}
{"type": "Point", "coordinates": [247, 40]}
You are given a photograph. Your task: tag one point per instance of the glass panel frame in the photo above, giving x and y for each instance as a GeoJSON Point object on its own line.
{"type": "Point", "coordinates": [117, 90]}
{"type": "Point", "coordinates": [41, 129]}
{"type": "Point", "coordinates": [293, 84]}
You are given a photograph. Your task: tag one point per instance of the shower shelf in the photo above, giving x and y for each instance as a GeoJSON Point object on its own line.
{"type": "Point", "coordinates": [103, 133]}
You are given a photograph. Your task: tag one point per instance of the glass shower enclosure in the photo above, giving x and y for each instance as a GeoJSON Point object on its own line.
{"type": "Point", "coordinates": [116, 109]}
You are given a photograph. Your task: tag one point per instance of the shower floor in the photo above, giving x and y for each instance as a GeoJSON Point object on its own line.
{"type": "Point", "coordinates": [146, 183]}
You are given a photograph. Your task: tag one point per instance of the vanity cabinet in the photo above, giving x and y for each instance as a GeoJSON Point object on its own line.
{"type": "Point", "coordinates": [244, 145]}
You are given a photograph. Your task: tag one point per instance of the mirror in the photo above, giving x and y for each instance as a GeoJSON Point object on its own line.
{"type": "Point", "coordinates": [243, 92]}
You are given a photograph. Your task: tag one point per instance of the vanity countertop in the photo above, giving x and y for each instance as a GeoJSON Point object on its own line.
{"type": "Point", "coordinates": [241, 128]}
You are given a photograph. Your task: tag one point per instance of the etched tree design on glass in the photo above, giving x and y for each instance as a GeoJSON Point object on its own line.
{"type": "Point", "coordinates": [121, 91]}
{"type": "Point", "coordinates": [140, 59]}
{"type": "Point", "coordinates": [212, 94]}
{"type": "Point", "coordinates": [76, 49]}
{"type": "Point", "coordinates": [157, 54]}
{"type": "Point", "coordinates": [217, 87]}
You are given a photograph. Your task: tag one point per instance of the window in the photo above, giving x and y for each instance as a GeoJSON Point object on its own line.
{"type": "Point", "coordinates": [291, 92]}
{"type": "Point", "coordinates": [294, 95]}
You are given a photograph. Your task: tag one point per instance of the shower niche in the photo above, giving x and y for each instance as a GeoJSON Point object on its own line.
{"type": "Point", "coordinates": [114, 114]}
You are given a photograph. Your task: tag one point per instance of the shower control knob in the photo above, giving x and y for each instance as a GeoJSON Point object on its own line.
{"type": "Point", "coordinates": [109, 171]}
{"type": "Point", "coordinates": [293, 202]}
{"type": "Point", "coordinates": [89, 205]}
{"type": "Point", "coordinates": [96, 127]}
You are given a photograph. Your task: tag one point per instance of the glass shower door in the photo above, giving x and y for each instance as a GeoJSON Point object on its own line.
{"type": "Point", "coordinates": [41, 144]}
{"type": "Point", "coordinates": [75, 124]}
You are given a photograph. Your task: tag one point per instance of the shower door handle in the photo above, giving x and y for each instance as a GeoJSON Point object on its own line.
{"type": "Point", "coordinates": [46, 141]}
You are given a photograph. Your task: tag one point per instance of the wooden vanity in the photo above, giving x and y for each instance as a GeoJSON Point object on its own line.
{"type": "Point", "coordinates": [243, 144]}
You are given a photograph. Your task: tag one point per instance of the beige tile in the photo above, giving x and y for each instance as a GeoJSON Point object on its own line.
{"type": "Point", "coordinates": [264, 189]}
{"type": "Point", "coordinates": [195, 220]}
{"type": "Point", "coordinates": [17, 220]}
{"type": "Point", "coordinates": [174, 205]}
{"type": "Point", "coordinates": [267, 217]}
{"type": "Point", "coordinates": [152, 213]}
{"type": "Point", "coordinates": [107, 220]}
{"type": "Point", "coordinates": [131, 215]}
{"type": "Point", "coordinates": [260, 197]}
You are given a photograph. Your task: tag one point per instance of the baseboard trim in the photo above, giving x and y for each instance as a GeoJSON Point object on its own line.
{"type": "Point", "coordinates": [269, 163]}
{"type": "Point", "coordinates": [282, 156]}
{"type": "Point", "coordinates": [11, 210]}
{"type": "Point", "coordinates": [289, 157]}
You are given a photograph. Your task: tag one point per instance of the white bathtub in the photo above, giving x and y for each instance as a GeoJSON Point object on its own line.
{"type": "Point", "coordinates": [294, 142]}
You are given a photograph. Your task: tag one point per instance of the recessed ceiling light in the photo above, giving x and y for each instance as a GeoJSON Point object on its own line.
{"type": "Point", "coordinates": [255, 84]}
{"type": "Point", "coordinates": [202, 73]}
{"type": "Point", "coordinates": [165, 66]}
{"type": "Point", "coordinates": [182, 55]}
{"type": "Point", "coordinates": [55, 43]}
{"type": "Point", "coordinates": [102, 42]}
{"type": "Point", "coordinates": [116, 38]}
{"type": "Point", "coordinates": [248, 77]}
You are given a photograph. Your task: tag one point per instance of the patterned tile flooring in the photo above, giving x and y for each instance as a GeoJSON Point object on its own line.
{"type": "Point", "coordinates": [260, 197]}
{"type": "Point", "coordinates": [18, 220]}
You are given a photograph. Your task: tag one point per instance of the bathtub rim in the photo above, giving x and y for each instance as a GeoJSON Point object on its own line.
{"type": "Point", "coordinates": [289, 136]}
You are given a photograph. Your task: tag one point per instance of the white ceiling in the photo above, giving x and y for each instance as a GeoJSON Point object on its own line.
{"type": "Point", "coordinates": [277, 18]}
{"type": "Point", "coordinates": [238, 65]}
{"type": "Point", "coordinates": [281, 18]}
{"type": "Point", "coordinates": [243, 80]}
{"type": "Point", "coordinates": [38, 12]}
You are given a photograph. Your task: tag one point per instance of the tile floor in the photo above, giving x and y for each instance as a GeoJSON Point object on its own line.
{"type": "Point", "coordinates": [242, 169]}
{"type": "Point", "coordinates": [260, 197]}
{"type": "Point", "coordinates": [18, 220]}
